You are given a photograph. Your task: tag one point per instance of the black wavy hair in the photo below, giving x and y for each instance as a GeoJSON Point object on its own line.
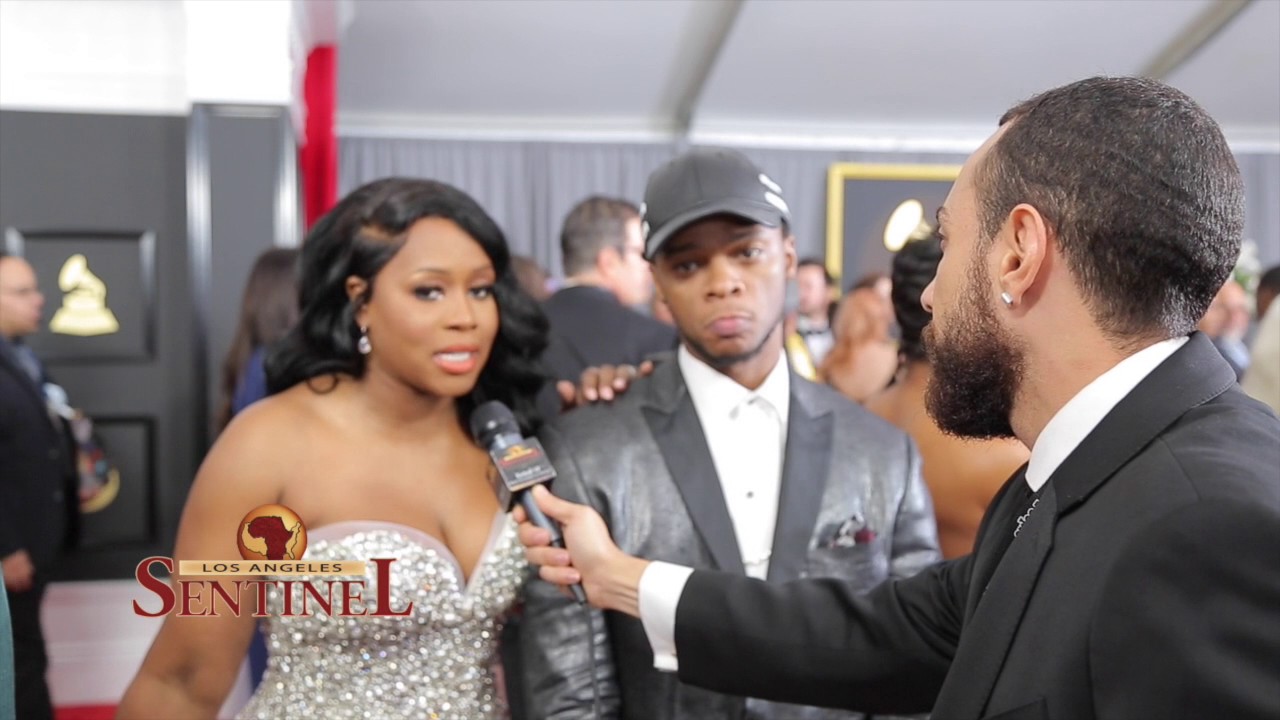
{"type": "Point", "coordinates": [358, 237]}
{"type": "Point", "coordinates": [913, 269]}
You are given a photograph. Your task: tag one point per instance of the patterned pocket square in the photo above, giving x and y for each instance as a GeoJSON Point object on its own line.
{"type": "Point", "coordinates": [851, 533]}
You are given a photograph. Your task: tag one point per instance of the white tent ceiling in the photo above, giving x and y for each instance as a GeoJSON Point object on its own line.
{"type": "Point", "coordinates": [882, 73]}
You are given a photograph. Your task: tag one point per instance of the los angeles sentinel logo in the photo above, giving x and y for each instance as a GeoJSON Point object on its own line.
{"type": "Point", "coordinates": [272, 540]}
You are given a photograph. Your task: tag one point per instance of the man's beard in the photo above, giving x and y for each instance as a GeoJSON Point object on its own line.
{"type": "Point", "coordinates": [977, 368]}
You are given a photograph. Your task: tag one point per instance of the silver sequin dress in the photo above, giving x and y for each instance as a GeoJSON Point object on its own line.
{"type": "Point", "coordinates": [437, 662]}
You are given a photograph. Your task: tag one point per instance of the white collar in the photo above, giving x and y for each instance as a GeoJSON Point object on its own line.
{"type": "Point", "coordinates": [716, 395]}
{"type": "Point", "coordinates": [1082, 413]}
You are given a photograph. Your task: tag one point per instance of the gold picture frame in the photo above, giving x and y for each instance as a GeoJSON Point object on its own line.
{"type": "Point", "coordinates": [839, 176]}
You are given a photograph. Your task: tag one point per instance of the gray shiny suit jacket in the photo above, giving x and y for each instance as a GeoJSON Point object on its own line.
{"type": "Point", "coordinates": [852, 506]}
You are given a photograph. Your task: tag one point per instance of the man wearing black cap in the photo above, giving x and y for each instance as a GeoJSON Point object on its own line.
{"type": "Point", "coordinates": [722, 459]}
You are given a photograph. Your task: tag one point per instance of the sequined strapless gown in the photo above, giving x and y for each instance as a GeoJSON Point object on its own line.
{"type": "Point", "coordinates": [436, 662]}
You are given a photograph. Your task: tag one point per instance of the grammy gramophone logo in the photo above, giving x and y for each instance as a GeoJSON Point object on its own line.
{"type": "Point", "coordinates": [84, 310]}
{"type": "Point", "coordinates": [272, 540]}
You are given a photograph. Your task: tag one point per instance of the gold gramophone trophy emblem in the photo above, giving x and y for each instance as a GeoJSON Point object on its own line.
{"type": "Point", "coordinates": [84, 310]}
{"type": "Point", "coordinates": [906, 224]}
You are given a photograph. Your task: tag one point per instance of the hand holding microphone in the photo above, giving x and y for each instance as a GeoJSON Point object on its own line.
{"type": "Point", "coordinates": [590, 557]}
{"type": "Point", "coordinates": [521, 465]}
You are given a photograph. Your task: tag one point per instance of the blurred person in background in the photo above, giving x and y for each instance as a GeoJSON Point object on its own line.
{"type": "Point", "coordinates": [533, 278]}
{"type": "Point", "coordinates": [1262, 380]}
{"type": "Point", "coordinates": [591, 316]}
{"type": "Point", "coordinates": [38, 482]}
{"type": "Point", "coordinates": [865, 355]}
{"type": "Point", "coordinates": [881, 287]}
{"type": "Point", "coordinates": [880, 282]}
{"type": "Point", "coordinates": [1268, 289]}
{"type": "Point", "coordinates": [1226, 322]}
{"type": "Point", "coordinates": [410, 316]}
{"type": "Point", "coordinates": [813, 319]}
{"type": "Point", "coordinates": [793, 343]}
{"type": "Point", "coordinates": [962, 474]}
{"type": "Point", "coordinates": [268, 310]}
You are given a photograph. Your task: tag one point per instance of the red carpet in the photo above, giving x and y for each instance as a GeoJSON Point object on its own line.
{"type": "Point", "coordinates": [85, 712]}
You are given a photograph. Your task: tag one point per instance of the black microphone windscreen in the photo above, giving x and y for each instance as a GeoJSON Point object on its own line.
{"type": "Point", "coordinates": [490, 420]}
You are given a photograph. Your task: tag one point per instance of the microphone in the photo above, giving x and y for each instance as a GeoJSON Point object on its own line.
{"type": "Point", "coordinates": [521, 463]}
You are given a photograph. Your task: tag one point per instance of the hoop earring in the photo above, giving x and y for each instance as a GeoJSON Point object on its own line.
{"type": "Point", "coordinates": [1007, 298]}
{"type": "Point", "coordinates": [363, 344]}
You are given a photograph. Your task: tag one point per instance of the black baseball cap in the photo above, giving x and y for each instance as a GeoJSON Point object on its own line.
{"type": "Point", "coordinates": [705, 182]}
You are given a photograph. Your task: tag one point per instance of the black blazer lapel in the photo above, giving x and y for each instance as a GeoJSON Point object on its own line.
{"type": "Point", "coordinates": [805, 467]}
{"type": "Point", "coordinates": [992, 542]}
{"type": "Point", "coordinates": [986, 637]}
{"type": "Point", "coordinates": [673, 421]}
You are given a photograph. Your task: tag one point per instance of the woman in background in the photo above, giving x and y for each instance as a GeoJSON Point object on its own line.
{"type": "Point", "coordinates": [864, 356]}
{"type": "Point", "coordinates": [410, 317]}
{"type": "Point", "coordinates": [962, 475]}
{"type": "Point", "coordinates": [268, 310]}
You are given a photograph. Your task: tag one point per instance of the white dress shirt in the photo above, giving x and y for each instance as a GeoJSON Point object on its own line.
{"type": "Point", "coordinates": [746, 433]}
{"type": "Point", "coordinates": [662, 583]}
{"type": "Point", "coordinates": [1074, 421]}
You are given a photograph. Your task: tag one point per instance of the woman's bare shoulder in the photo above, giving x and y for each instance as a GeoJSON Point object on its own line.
{"type": "Point", "coordinates": [290, 417]}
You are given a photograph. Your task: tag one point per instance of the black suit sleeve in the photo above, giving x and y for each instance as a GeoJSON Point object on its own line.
{"type": "Point", "coordinates": [1188, 624]}
{"type": "Point", "coordinates": [817, 642]}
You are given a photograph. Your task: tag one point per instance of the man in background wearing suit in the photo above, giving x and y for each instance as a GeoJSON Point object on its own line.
{"type": "Point", "coordinates": [722, 458]}
{"type": "Point", "coordinates": [1130, 569]}
{"type": "Point", "coordinates": [37, 483]}
{"type": "Point", "coordinates": [813, 312]}
{"type": "Point", "coordinates": [591, 319]}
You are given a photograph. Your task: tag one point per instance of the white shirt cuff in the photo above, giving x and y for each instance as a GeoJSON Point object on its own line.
{"type": "Point", "coordinates": [660, 588]}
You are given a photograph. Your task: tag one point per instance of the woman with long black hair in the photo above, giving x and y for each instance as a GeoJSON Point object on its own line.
{"type": "Point", "coordinates": [410, 317]}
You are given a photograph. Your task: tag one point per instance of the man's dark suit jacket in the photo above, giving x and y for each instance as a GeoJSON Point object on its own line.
{"type": "Point", "coordinates": [38, 500]}
{"type": "Point", "coordinates": [589, 327]}
{"type": "Point", "coordinates": [1145, 584]}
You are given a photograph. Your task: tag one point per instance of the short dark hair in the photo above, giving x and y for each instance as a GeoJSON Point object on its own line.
{"type": "Point", "coordinates": [591, 226]}
{"type": "Point", "coordinates": [914, 267]}
{"type": "Point", "coordinates": [1270, 280]}
{"type": "Point", "coordinates": [1140, 190]}
{"type": "Point", "coordinates": [814, 262]}
{"type": "Point", "coordinates": [359, 237]}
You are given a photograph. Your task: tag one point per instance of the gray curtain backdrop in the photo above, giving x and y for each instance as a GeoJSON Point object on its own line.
{"type": "Point", "coordinates": [529, 187]}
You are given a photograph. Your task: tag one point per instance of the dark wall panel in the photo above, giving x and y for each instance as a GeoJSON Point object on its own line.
{"type": "Point", "coordinates": [104, 186]}
{"type": "Point", "coordinates": [244, 168]}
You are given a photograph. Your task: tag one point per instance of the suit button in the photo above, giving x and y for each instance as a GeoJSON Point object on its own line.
{"type": "Point", "coordinates": [53, 453]}
{"type": "Point", "coordinates": [57, 496]}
